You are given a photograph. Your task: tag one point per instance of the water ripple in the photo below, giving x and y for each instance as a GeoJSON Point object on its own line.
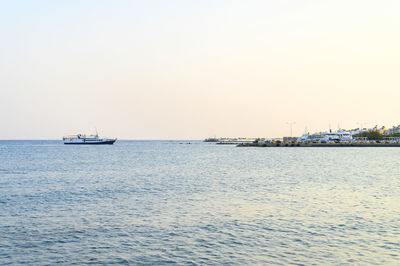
{"type": "Point", "coordinates": [151, 203]}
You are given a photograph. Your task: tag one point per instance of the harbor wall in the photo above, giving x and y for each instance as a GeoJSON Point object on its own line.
{"type": "Point", "coordinates": [310, 144]}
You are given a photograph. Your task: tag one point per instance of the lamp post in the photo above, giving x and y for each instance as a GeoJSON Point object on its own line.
{"type": "Point", "coordinates": [291, 127]}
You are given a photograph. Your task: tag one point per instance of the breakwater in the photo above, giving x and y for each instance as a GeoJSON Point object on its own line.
{"type": "Point", "coordinates": [320, 144]}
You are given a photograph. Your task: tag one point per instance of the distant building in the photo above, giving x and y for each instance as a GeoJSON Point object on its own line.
{"type": "Point", "coordinates": [393, 130]}
{"type": "Point", "coordinates": [382, 130]}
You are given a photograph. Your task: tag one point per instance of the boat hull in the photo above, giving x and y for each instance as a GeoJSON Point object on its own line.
{"type": "Point", "coordinates": [106, 142]}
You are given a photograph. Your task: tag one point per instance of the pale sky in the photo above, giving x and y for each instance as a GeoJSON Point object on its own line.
{"type": "Point", "coordinates": [196, 69]}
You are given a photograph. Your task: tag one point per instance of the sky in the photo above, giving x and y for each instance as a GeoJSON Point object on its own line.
{"type": "Point", "coordinates": [197, 69]}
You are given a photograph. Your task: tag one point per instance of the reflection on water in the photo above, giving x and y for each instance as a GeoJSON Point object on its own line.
{"type": "Point", "coordinates": [161, 201]}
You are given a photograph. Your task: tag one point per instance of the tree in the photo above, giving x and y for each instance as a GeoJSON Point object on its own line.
{"type": "Point", "coordinates": [370, 135]}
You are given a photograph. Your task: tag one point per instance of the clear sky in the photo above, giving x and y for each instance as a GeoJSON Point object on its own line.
{"type": "Point", "coordinates": [195, 69]}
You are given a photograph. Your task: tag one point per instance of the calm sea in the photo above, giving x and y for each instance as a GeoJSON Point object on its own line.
{"type": "Point", "coordinates": [160, 202]}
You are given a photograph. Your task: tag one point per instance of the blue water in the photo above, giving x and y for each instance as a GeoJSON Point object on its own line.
{"type": "Point", "coordinates": [160, 202]}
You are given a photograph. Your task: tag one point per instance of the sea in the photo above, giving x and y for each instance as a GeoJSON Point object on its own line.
{"type": "Point", "coordinates": [195, 203]}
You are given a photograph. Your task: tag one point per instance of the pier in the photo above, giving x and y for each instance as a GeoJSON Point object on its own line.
{"type": "Point", "coordinates": [320, 144]}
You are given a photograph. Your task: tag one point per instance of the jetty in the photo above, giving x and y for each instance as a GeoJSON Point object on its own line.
{"type": "Point", "coordinates": [321, 144]}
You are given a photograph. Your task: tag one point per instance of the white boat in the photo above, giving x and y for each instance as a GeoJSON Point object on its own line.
{"type": "Point", "coordinates": [87, 139]}
{"type": "Point", "coordinates": [337, 136]}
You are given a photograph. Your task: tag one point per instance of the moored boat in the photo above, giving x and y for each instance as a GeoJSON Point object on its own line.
{"type": "Point", "coordinates": [324, 137]}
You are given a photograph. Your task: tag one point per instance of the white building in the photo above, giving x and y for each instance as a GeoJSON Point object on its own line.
{"type": "Point", "coordinates": [393, 130]}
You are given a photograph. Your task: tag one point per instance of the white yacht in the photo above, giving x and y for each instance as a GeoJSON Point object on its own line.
{"type": "Point", "coordinates": [87, 139]}
{"type": "Point", "coordinates": [337, 136]}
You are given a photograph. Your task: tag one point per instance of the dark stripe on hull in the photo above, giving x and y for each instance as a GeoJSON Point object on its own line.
{"type": "Point", "coordinates": [110, 142]}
